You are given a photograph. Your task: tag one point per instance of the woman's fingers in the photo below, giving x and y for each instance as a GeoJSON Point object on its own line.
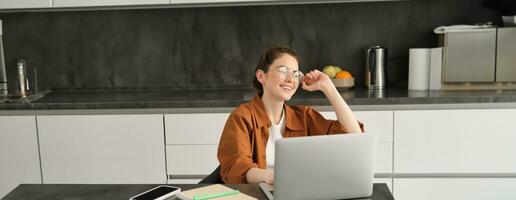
{"type": "Point", "coordinates": [312, 75]}
{"type": "Point", "coordinates": [309, 79]}
{"type": "Point", "coordinates": [269, 177]}
{"type": "Point", "coordinates": [308, 75]}
{"type": "Point", "coordinates": [315, 80]}
{"type": "Point", "coordinates": [307, 87]}
{"type": "Point", "coordinates": [304, 85]}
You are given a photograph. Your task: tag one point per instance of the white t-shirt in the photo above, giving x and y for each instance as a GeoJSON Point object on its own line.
{"type": "Point", "coordinates": [275, 132]}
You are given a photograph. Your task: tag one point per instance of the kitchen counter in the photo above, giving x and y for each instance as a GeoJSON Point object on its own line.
{"type": "Point", "coordinates": [229, 98]}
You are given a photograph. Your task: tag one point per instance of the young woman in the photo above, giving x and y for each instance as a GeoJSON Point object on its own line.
{"type": "Point", "coordinates": [246, 148]}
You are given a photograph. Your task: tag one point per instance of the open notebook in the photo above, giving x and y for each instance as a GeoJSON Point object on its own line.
{"type": "Point", "coordinates": [212, 189]}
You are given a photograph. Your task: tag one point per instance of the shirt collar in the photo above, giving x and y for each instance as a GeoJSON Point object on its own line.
{"type": "Point", "coordinates": [261, 115]}
{"type": "Point", "coordinates": [292, 120]}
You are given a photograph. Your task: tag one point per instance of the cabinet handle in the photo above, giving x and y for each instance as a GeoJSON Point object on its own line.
{"type": "Point", "coordinates": [187, 176]}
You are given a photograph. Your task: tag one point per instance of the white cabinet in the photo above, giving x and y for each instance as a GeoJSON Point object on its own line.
{"type": "Point", "coordinates": [16, 4]}
{"type": "Point", "coordinates": [191, 159]}
{"type": "Point", "coordinates": [107, 149]}
{"type": "Point", "coordinates": [92, 3]}
{"type": "Point", "coordinates": [204, 128]}
{"type": "Point", "coordinates": [455, 141]}
{"type": "Point", "coordinates": [454, 188]}
{"type": "Point", "coordinates": [19, 159]}
{"type": "Point", "coordinates": [378, 122]}
{"type": "Point", "coordinates": [454, 154]}
{"type": "Point", "coordinates": [192, 141]}
{"type": "Point", "coordinates": [190, 163]}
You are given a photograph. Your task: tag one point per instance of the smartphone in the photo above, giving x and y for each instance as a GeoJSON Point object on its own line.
{"type": "Point", "coordinates": [158, 193]}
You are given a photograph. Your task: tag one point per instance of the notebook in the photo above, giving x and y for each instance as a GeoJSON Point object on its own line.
{"type": "Point", "coordinates": [212, 189]}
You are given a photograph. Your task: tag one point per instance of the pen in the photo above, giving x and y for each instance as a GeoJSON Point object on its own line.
{"type": "Point", "coordinates": [216, 195]}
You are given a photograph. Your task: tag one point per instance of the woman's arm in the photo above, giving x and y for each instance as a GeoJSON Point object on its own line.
{"type": "Point", "coordinates": [257, 175]}
{"type": "Point", "coordinates": [316, 80]}
{"type": "Point", "coordinates": [234, 151]}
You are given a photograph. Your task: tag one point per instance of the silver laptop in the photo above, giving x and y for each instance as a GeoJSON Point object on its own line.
{"type": "Point", "coordinates": [323, 167]}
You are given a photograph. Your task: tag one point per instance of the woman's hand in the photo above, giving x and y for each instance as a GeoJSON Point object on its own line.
{"type": "Point", "coordinates": [316, 80]}
{"type": "Point", "coordinates": [257, 175]}
{"type": "Point", "coordinates": [269, 176]}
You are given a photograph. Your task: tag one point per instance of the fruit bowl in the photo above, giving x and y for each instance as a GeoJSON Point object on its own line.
{"type": "Point", "coordinates": [343, 83]}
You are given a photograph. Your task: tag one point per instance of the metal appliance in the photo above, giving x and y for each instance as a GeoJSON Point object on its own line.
{"type": "Point", "coordinates": [477, 59]}
{"type": "Point", "coordinates": [23, 81]}
{"type": "Point", "coordinates": [376, 57]}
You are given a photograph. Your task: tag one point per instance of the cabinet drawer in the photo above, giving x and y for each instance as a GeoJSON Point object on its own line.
{"type": "Point", "coordinates": [379, 122]}
{"type": "Point", "coordinates": [384, 158]}
{"type": "Point", "coordinates": [194, 128]}
{"type": "Point", "coordinates": [454, 188]}
{"type": "Point", "coordinates": [102, 149]}
{"type": "Point", "coordinates": [17, 4]}
{"type": "Point", "coordinates": [455, 141]}
{"type": "Point", "coordinates": [190, 161]}
{"type": "Point", "coordinates": [19, 155]}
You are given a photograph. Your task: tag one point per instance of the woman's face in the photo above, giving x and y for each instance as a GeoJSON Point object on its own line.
{"type": "Point", "coordinates": [282, 79]}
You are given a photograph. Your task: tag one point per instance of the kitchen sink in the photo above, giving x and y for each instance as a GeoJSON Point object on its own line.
{"type": "Point", "coordinates": [28, 99]}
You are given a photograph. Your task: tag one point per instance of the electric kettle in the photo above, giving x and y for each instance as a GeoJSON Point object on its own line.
{"type": "Point", "coordinates": [376, 57]}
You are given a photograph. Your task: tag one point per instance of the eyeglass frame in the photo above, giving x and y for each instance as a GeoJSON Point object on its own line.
{"type": "Point", "coordinates": [286, 72]}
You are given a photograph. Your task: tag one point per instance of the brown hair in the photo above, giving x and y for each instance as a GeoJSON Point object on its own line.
{"type": "Point", "coordinates": [267, 57]}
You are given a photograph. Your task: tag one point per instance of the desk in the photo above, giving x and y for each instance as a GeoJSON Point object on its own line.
{"type": "Point", "coordinates": [123, 192]}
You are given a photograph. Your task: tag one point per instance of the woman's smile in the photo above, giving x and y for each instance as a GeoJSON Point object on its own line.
{"type": "Point", "coordinates": [287, 88]}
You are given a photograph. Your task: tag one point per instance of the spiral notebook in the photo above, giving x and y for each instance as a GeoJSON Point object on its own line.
{"type": "Point", "coordinates": [212, 189]}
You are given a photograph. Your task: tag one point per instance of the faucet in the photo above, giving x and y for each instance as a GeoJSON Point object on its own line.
{"type": "Point", "coordinates": [26, 88]}
{"type": "Point", "coordinates": [22, 79]}
{"type": "Point", "coordinates": [3, 76]}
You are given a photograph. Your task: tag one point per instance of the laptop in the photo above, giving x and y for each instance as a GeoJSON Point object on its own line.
{"type": "Point", "coordinates": [323, 167]}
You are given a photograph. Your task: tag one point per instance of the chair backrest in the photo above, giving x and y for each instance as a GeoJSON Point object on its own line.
{"type": "Point", "coordinates": [214, 177]}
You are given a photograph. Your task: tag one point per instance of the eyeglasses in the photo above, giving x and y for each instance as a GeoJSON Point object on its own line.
{"type": "Point", "coordinates": [284, 72]}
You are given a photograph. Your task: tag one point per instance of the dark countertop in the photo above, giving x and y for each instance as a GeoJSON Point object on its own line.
{"type": "Point", "coordinates": [113, 192]}
{"type": "Point", "coordinates": [132, 99]}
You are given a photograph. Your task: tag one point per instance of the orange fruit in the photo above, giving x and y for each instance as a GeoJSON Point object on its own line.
{"type": "Point", "coordinates": [343, 74]}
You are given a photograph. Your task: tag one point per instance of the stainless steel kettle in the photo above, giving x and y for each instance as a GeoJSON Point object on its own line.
{"type": "Point", "coordinates": [376, 57]}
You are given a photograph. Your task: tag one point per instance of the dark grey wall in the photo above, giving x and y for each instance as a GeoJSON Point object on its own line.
{"type": "Point", "coordinates": [218, 47]}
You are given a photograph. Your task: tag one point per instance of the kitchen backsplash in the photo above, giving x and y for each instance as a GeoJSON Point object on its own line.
{"type": "Point", "coordinates": [219, 46]}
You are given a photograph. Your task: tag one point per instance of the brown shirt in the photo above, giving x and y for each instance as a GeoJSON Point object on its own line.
{"type": "Point", "coordinates": [244, 138]}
